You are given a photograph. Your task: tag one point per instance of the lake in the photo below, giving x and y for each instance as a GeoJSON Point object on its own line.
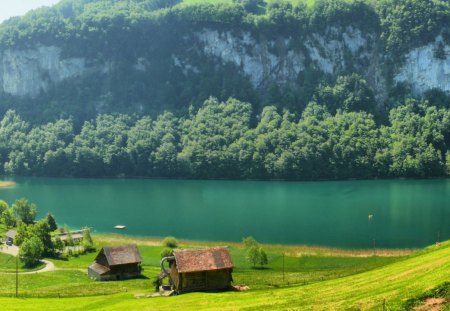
{"type": "Point", "coordinates": [406, 213]}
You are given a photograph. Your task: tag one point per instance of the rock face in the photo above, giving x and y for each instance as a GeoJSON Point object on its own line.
{"type": "Point", "coordinates": [427, 67]}
{"type": "Point", "coordinates": [283, 60]}
{"type": "Point", "coordinates": [257, 60]}
{"type": "Point", "coordinates": [30, 72]}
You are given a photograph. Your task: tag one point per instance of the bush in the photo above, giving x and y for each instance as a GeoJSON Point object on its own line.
{"type": "Point", "coordinates": [170, 242]}
{"type": "Point", "coordinates": [249, 242]}
{"type": "Point", "coordinates": [166, 252]}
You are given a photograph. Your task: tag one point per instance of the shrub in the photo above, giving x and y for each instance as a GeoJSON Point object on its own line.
{"type": "Point", "coordinates": [249, 242]}
{"type": "Point", "coordinates": [170, 242]}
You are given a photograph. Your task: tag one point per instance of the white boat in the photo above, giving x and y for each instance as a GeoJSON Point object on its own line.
{"type": "Point", "coordinates": [119, 227]}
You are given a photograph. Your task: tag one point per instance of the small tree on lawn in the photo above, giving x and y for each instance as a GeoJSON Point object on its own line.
{"type": "Point", "coordinates": [263, 260]}
{"type": "Point", "coordinates": [257, 256]}
{"type": "Point", "coordinates": [170, 242]}
{"type": "Point", "coordinates": [249, 241]}
{"type": "Point", "coordinates": [253, 255]}
{"type": "Point", "coordinates": [88, 243]}
{"type": "Point", "coordinates": [31, 251]}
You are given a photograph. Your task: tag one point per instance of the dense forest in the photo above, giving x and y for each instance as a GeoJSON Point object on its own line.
{"type": "Point", "coordinates": [222, 140]}
{"type": "Point", "coordinates": [207, 119]}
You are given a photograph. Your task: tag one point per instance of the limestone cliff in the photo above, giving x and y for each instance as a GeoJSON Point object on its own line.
{"type": "Point", "coordinates": [209, 61]}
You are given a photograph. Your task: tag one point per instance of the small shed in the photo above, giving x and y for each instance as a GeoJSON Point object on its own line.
{"type": "Point", "coordinates": [116, 263]}
{"type": "Point", "coordinates": [192, 270]}
{"type": "Point", "coordinates": [10, 235]}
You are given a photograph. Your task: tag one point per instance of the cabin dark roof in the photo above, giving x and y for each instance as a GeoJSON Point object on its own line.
{"type": "Point", "coordinates": [11, 233]}
{"type": "Point", "coordinates": [122, 255]}
{"type": "Point", "coordinates": [195, 260]}
{"type": "Point", "coordinates": [100, 269]}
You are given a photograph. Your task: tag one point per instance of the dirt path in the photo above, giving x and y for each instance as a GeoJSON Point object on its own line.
{"type": "Point", "coordinates": [14, 251]}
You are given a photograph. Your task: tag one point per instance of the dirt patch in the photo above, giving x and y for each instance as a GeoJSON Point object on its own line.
{"type": "Point", "coordinates": [432, 304]}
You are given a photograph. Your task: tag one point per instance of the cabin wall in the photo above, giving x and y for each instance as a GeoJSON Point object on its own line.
{"type": "Point", "coordinates": [205, 281]}
{"type": "Point", "coordinates": [175, 276]}
{"type": "Point", "coordinates": [121, 272]}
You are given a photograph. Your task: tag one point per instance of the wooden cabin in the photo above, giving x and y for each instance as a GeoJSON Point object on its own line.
{"type": "Point", "coordinates": [10, 235]}
{"type": "Point", "coordinates": [207, 269]}
{"type": "Point", "coordinates": [116, 263]}
{"type": "Point", "coordinates": [77, 236]}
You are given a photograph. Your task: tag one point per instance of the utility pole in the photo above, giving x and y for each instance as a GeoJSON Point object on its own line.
{"type": "Point", "coordinates": [17, 276]}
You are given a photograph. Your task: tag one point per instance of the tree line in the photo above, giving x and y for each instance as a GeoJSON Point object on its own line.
{"type": "Point", "coordinates": [225, 139]}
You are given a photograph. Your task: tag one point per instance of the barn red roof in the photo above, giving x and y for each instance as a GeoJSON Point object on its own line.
{"type": "Point", "coordinates": [196, 260]}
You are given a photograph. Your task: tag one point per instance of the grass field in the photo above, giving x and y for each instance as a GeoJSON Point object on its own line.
{"type": "Point", "coordinates": [8, 264]}
{"type": "Point", "coordinates": [315, 278]}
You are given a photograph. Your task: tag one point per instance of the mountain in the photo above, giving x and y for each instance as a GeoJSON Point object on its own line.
{"type": "Point", "coordinates": [239, 89]}
{"type": "Point", "coordinates": [80, 58]}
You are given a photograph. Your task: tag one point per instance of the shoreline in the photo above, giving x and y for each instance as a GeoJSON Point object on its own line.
{"type": "Point", "coordinates": [287, 249]}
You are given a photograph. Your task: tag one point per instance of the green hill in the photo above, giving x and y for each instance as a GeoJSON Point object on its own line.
{"type": "Point", "coordinates": [392, 285]}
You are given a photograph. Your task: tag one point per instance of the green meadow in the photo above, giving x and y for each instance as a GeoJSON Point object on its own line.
{"type": "Point", "coordinates": [295, 278]}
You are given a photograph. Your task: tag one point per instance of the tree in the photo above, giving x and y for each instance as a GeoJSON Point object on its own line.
{"type": "Point", "coordinates": [170, 242]}
{"type": "Point", "coordinates": [23, 233]}
{"type": "Point", "coordinates": [31, 251]}
{"type": "Point", "coordinates": [249, 242]}
{"type": "Point", "coordinates": [42, 230]}
{"type": "Point", "coordinates": [3, 206]}
{"type": "Point", "coordinates": [8, 219]}
{"type": "Point", "coordinates": [24, 211]}
{"type": "Point", "coordinates": [253, 255]}
{"type": "Point", "coordinates": [51, 222]}
{"type": "Point", "coordinates": [166, 252]}
{"type": "Point", "coordinates": [58, 245]}
{"type": "Point", "coordinates": [257, 255]}
{"type": "Point", "coordinates": [263, 260]}
{"type": "Point", "coordinates": [88, 243]}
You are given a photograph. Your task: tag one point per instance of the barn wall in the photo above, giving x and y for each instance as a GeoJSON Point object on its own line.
{"type": "Point", "coordinates": [205, 281]}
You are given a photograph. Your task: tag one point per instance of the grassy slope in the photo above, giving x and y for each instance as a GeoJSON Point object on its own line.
{"type": "Point", "coordinates": [394, 282]}
{"type": "Point", "coordinates": [8, 264]}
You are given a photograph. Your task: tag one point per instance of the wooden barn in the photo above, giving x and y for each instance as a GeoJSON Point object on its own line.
{"type": "Point", "coordinates": [116, 263]}
{"type": "Point", "coordinates": [192, 270]}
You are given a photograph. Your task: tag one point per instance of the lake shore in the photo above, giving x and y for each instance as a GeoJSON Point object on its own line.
{"type": "Point", "coordinates": [288, 250]}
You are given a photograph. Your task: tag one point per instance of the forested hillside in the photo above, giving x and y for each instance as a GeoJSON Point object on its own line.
{"type": "Point", "coordinates": [227, 89]}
